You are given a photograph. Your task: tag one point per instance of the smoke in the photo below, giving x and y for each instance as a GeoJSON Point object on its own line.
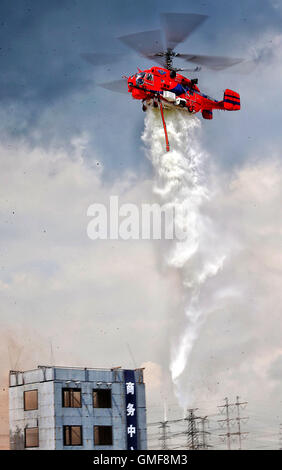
{"type": "Point", "coordinates": [181, 180]}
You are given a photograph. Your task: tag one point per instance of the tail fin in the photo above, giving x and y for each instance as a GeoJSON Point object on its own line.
{"type": "Point", "coordinates": [231, 100]}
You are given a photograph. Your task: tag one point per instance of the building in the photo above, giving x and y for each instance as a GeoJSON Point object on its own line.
{"type": "Point", "coordinates": [76, 408]}
{"type": "Point", "coordinates": [4, 416]}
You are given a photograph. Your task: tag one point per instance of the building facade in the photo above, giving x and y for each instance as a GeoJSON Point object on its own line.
{"type": "Point", "coordinates": [76, 408]}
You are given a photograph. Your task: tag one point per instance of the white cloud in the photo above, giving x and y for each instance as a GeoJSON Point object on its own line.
{"type": "Point", "coordinates": [90, 297]}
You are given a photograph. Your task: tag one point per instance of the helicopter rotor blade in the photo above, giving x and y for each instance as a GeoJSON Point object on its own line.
{"type": "Point", "coordinates": [178, 26]}
{"type": "Point", "coordinates": [119, 86]}
{"type": "Point", "coordinates": [158, 58]}
{"type": "Point", "coordinates": [97, 58]}
{"type": "Point", "coordinates": [245, 67]}
{"type": "Point", "coordinates": [146, 43]}
{"type": "Point", "coordinates": [211, 62]}
{"type": "Point", "coordinates": [195, 69]}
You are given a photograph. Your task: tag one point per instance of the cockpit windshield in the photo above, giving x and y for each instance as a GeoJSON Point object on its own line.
{"type": "Point", "coordinates": [139, 78]}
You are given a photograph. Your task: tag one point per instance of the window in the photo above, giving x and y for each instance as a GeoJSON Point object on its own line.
{"type": "Point", "coordinates": [72, 435]}
{"type": "Point", "coordinates": [72, 397]}
{"type": "Point", "coordinates": [31, 400]}
{"type": "Point", "coordinates": [139, 78]}
{"type": "Point", "coordinates": [103, 435]}
{"type": "Point", "coordinates": [102, 398]}
{"type": "Point", "coordinates": [149, 77]}
{"type": "Point", "coordinates": [31, 437]}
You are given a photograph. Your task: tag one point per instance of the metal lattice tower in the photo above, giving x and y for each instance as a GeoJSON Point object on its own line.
{"type": "Point", "coordinates": [164, 434]}
{"type": "Point", "coordinates": [192, 430]}
{"type": "Point", "coordinates": [230, 421]}
{"type": "Point", "coordinates": [204, 434]}
{"type": "Point", "coordinates": [280, 437]}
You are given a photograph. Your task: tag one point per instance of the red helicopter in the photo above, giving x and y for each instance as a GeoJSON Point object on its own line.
{"type": "Point", "coordinates": [162, 86]}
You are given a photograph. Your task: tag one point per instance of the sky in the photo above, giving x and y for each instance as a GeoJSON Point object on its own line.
{"type": "Point", "coordinates": [66, 143]}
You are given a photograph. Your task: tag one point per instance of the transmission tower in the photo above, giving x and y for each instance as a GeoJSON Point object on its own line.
{"type": "Point", "coordinates": [230, 421]}
{"type": "Point", "coordinates": [192, 430]}
{"type": "Point", "coordinates": [204, 434]}
{"type": "Point", "coordinates": [227, 420]}
{"type": "Point", "coordinates": [280, 437]}
{"type": "Point", "coordinates": [164, 434]}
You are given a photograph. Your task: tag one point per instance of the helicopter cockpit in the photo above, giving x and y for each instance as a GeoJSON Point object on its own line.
{"type": "Point", "coordinates": [140, 78]}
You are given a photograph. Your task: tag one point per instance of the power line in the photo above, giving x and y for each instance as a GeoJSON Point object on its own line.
{"type": "Point", "coordinates": [196, 433]}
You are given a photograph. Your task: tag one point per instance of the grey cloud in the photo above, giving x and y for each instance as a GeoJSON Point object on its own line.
{"type": "Point", "coordinates": [48, 94]}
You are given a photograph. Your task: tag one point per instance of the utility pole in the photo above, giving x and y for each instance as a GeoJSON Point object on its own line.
{"type": "Point", "coordinates": [229, 421]}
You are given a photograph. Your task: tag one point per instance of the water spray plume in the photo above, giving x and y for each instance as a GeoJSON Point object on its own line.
{"type": "Point", "coordinates": [180, 180]}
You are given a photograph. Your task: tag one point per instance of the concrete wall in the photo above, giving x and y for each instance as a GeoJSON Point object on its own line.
{"type": "Point", "coordinates": [88, 417]}
{"type": "Point", "coordinates": [43, 417]}
{"type": "Point", "coordinates": [42, 374]}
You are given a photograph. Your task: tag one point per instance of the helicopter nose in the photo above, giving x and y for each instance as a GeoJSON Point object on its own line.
{"type": "Point", "coordinates": [130, 84]}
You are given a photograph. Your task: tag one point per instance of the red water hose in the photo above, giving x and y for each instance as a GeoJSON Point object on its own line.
{"type": "Point", "coordinates": [164, 124]}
